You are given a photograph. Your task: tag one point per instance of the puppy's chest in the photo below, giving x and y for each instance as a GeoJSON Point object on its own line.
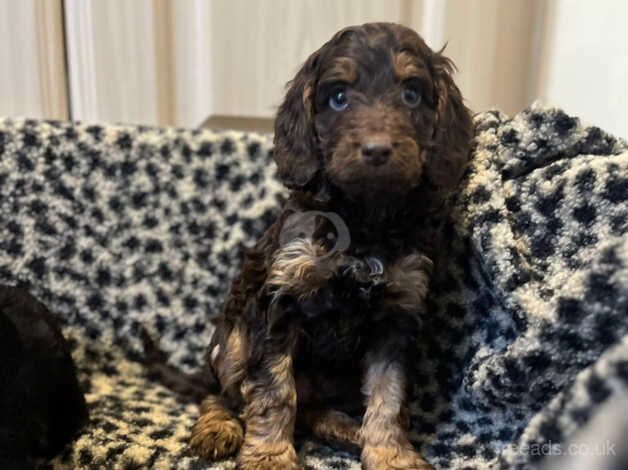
{"type": "Point", "coordinates": [335, 324]}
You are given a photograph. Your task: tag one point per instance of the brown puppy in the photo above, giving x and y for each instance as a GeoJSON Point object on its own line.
{"type": "Point", "coordinates": [372, 136]}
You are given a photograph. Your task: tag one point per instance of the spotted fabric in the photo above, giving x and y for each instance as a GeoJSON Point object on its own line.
{"type": "Point", "coordinates": [119, 227]}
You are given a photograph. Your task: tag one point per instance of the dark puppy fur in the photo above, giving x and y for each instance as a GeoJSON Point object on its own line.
{"type": "Point", "coordinates": [41, 405]}
{"type": "Point", "coordinates": [374, 130]}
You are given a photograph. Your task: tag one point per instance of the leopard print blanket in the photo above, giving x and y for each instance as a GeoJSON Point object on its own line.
{"type": "Point", "coordinates": [116, 228]}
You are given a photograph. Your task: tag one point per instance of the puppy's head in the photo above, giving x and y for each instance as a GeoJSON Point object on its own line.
{"type": "Point", "coordinates": [375, 113]}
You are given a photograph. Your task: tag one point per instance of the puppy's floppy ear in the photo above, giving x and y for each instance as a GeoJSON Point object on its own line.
{"type": "Point", "coordinates": [453, 129]}
{"type": "Point", "coordinates": [295, 141]}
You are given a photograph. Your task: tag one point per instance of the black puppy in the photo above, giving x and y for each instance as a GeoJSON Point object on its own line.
{"type": "Point", "coordinates": [41, 404]}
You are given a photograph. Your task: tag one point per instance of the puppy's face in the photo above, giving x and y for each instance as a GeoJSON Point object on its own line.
{"type": "Point", "coordinates": [374, 112]}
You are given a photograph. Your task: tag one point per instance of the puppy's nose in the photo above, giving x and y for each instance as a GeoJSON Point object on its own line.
{"type": "Point", "coordinates": [376, 153]}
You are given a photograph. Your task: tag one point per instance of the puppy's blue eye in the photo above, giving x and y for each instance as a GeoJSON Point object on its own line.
{"type": "Point", "coordinates": [410, 97]}
{"type": "Point", "coordinates": [338, 100]}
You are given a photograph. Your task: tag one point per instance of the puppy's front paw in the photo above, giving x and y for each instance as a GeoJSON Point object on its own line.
{"type": "Point", "coordinates": [265, 456]}
{"type": "Point", "coordinates": [392, 458]}
{"type": "Point", "coordinates": [215, 438]}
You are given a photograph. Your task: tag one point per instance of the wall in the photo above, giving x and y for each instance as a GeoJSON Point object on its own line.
{"type": "Point", "coordinates": [32, 72]}
{"type": "Point", "coordinates": [177, 62]}
{"type": "Point", "coordinates": [584, 61]}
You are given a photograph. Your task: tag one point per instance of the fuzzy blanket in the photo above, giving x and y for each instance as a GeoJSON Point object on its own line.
{"type": "Point", "coordinates": [118, 227]}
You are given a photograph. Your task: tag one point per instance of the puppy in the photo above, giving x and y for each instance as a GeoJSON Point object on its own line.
{"type": "Point", "coordinates": [41, 404]}
{"type": "Point", "coordinates": [371, 138]}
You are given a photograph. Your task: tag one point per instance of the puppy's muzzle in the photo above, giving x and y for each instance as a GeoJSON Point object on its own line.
{"type": "Point", "coordinates": [376, 150]}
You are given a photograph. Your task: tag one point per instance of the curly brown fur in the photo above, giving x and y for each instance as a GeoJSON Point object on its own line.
{"type": "Point", "coordinates": [374, 130]}
{"type": "Point", "coordinates": [217, 433]}
{"type": "Point", "coordinates": [332, 426]}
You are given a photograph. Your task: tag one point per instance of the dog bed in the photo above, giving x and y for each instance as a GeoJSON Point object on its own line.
{"type": "Point", "coordinates": [116, 228]}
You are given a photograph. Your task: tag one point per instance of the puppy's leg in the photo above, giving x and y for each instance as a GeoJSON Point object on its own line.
{"type": "Point", "coordinates": [334, 427]}
{"type": "Point", "coordinates": [217, 433]}
{"type": "Point", "coordinates": [385, 443]}
{"type": "Point", "coordinates": [270, 400]}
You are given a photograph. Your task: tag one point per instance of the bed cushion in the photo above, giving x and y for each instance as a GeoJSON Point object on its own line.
{"type": "Point", "coordinates": [116, 228]}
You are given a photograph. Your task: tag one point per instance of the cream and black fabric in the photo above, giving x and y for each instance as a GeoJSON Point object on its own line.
{"type": "Point", "coordinates": [116, 228]}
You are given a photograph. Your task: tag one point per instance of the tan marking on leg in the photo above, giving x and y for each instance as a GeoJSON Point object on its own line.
{"type": "Point", "coordinates": [230, 359]}
{"type": "Point", "coordinates": [298, 270]}
{"type": "Point", "coordinates": [392, 458]}
{"type": "Point", "coordinates": [386, 445]}
{"type": "Point", "coordinates": [269, 413]}
{"type": "Point", "coordinates": [334, 427]}
{"type": "Point", "coordinates": [268, 456]}
{"type": "Point", "coordinates": [217, 433]}
{"type": "Point", "coordinates": [384, 387]}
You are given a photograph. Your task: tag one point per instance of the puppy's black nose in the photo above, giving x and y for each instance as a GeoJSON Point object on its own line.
{"type": "Point", "coordinates": [376, 153]}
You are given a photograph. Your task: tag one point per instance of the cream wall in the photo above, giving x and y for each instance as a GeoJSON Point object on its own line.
{"type": "Point", "coordinates": [176, 62]}
{"type": "Point", "coordinates": [32, 75]}
{"type": "Point", "coordinates": [491, 42]}
{"type": "Point", "coordinates": [585, 61]}
{"type": "Point", "coordinates": [113, 60]}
